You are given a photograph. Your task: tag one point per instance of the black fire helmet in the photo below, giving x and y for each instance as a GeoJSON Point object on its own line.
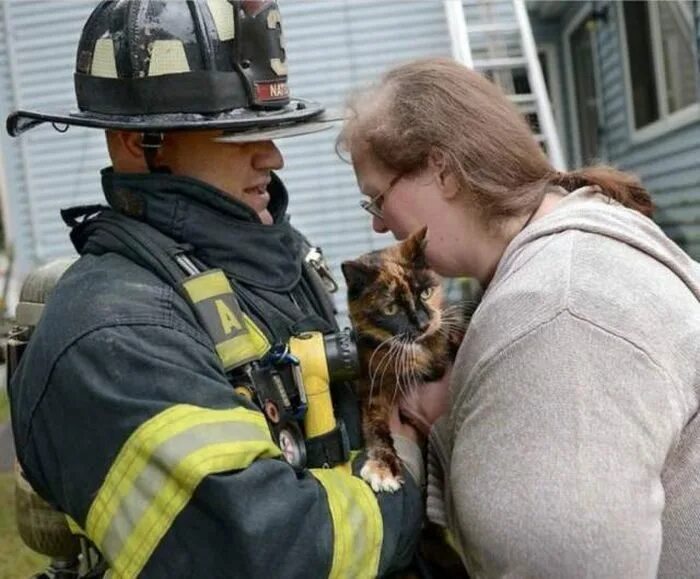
{"type": "Point", "coordinates": [170, 65]}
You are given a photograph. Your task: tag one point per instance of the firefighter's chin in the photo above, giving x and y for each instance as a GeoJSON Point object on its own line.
{"type": "Point", "coordinates": [265, 217]}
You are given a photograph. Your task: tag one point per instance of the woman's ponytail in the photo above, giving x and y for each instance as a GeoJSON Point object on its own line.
{"type": "Point", "coordinates": [622, 187]}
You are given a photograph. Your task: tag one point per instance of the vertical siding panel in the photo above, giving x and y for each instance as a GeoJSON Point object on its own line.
{"type": "Point", "coordinates": [52, 170]}
{"type": "Point", "coordinates": [333, 45]}
{"type": "Point", "coordinates": [668, 164]}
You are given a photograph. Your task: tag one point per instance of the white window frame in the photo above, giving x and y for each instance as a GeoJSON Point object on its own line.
{"type": "Point", "coordinates": [551, 56]}
{"type": "Point", "coordinates": [667, 122]}
{"type": "Point", "coordinates": [573, 25]}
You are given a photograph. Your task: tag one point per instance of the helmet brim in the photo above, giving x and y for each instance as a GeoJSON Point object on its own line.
{"type": "Point", "coordinates": [322, 122]}
{"type": "Point", "coordinates": [298, 113]}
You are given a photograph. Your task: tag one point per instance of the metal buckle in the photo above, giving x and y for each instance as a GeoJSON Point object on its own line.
{"type": "Point", "coordinates": [315, 259]}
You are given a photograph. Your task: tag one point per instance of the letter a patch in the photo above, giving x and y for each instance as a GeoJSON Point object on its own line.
{"type": "Point", "coordinates": [236, 337]}
{"type": "Point", "coordinates": [229, 322]}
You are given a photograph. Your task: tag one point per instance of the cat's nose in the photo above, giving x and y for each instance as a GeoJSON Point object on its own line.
{"type": "Point", "coordinates": [422, 320]}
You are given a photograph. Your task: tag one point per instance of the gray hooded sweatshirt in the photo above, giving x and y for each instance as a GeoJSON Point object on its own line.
{"type": "Point", "coordinates": [572, 448]}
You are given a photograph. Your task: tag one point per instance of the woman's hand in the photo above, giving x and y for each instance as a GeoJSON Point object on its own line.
{"type": "Point", "coordinates": [423, 405]}
{"type": "Point", "coordinates": [404, 428]}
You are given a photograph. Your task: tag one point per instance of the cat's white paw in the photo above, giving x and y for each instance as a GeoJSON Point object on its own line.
{"type": "Point", "coordinates": [379, 477]}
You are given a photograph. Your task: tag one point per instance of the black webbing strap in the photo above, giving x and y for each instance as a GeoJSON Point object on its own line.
{"type": "Point", "coordinates": [150, 143]}
{"type": "Point", "coordinates": [110, 231]}
{"type": "Point", "coordinates": [329, 449]}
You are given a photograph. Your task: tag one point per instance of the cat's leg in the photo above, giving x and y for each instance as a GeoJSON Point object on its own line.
{"type": "Point", "coordinates": [382, 470]}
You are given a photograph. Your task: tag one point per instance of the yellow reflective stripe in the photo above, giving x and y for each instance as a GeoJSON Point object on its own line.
{"type": "Point", "coordinates": [158, 469]}
{"type": "Point", "coordinates": [207, 285]}
{"type": "Point", "coordinates": [162, 468]}
{"type": "Point", "coordinates": [243, 348]}
{"type": "Point", "coordinates": [74, 527]}
{"type": "Point", "coordinates": [174, 496]}
{"type": "Point", "coordinates": [137, 451]}
{"type": "Point", "coordinates": [167, 57]}
{"type": "Point", "coordinates": [452, 542]}
{"type": "Point", "coordinates": [357, 524]}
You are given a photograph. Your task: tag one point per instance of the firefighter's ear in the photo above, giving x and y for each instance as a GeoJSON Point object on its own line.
{"type": "Point", "coordinates": [126, 151]}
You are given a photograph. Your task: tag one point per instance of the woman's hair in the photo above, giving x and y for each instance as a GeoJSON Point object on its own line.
{"type": "Point", "coordinates": [437, 108]}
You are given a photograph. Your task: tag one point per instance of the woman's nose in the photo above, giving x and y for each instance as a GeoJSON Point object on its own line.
{"type": "Point", "coordinates": [378, 224]}
{"type": "Point", "coordinates": [267, 156]}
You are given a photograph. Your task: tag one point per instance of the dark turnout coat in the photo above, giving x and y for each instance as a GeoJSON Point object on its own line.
{"type": "Point", "coordinates": [125, 420]}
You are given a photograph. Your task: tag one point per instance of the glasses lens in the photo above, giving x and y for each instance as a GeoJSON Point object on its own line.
{"type": "Point", "coordinates": [370, 207]}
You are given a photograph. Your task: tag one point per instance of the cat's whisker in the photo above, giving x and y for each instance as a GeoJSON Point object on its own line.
{"type": "Point", "coordinates": [373, 371]}
{"type": "Point", "coordinates": [379, 349]}
{"type": "Point", "coordinates": [383, 362]}
{"type": "Point", "coordinates": [452, 318]}
{"type": "Point", "coordinates": [383, 351]}
{"type": "Point", "coordinates": [406, 366]}
{"type": "Point", "coordinates": [409, 369]}
{"type": "Point", "coordinates": [405, 369]}
{"type": "Point", "coordinates": [399, 365]}
{"type": "Point", "coordinates": [453, 323]}
{"type": "Point", "coordinates": [414, 373]}
{"type": "Point", "coordinates": [396, 348]}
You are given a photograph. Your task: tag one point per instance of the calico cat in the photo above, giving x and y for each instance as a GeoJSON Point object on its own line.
{"type": "Point", "coordinates": [405, 337]}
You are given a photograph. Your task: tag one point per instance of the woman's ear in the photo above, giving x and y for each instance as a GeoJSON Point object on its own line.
{"type": "Point", "coordinates": [445, 177]}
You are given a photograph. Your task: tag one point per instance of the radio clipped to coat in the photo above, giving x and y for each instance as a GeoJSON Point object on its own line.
{"type": "Point", "coordinates": [290, 383]}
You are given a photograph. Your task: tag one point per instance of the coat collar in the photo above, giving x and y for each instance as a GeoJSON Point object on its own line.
{"type": "Point", "coordinates": [224, 232]}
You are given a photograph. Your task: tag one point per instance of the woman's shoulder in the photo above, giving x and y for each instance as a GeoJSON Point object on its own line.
{"type": "Point", "coordinates": [608, 286]}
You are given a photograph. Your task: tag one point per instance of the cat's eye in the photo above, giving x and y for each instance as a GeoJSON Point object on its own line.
{"type": "Point", "coordinates": [390, 309]}
{"type": "Point", "coordinates": [426, 293]}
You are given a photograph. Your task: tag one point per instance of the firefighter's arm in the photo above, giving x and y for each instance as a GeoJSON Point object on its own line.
{"type": "Point", "coordinates": [171, 474]}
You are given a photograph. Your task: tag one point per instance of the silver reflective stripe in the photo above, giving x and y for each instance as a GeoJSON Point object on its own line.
{"type": "Point", "coordinates": [159, 469]}
{"type": "Point", "coordinates": [358, 530]}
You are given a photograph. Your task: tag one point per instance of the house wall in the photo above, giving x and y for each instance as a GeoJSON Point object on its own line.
{"type": "Point", "coordinates": [332, 46]}
{"type": "Point", "coordinates": [669, 162]}
{"type": "Point", "coordinates": [548, 33]}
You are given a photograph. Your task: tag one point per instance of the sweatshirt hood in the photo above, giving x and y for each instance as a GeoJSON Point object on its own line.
{"type": "Point", "coordinates": [586, 209]}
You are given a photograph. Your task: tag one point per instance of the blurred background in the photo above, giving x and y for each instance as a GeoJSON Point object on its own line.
{"type": "Point", "coordinates": [620, 86]}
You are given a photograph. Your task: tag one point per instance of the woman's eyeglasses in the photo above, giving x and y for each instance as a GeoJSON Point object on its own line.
{"type": "Point", "coordinates": [374, 206]}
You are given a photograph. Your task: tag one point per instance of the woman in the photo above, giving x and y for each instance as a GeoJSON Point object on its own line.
{"type": "Point", "coordinates": [571, 447]}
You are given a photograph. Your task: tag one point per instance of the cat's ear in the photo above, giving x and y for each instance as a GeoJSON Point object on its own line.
{"type": "Point", "coordinates": [413, 248]}
{"type": "Point", "coordinates": [358, 276]}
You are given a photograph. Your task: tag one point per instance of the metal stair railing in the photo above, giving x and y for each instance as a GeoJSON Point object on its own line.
{"type": "Point", "coordinates": [495, 37]}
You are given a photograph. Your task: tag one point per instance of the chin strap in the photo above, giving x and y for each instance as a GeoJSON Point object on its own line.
{"type": "Point", "coordinates": [150, 143]}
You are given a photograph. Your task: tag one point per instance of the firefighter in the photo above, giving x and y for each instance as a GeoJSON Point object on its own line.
{"type": "Point", "coordinates": [125, 408]}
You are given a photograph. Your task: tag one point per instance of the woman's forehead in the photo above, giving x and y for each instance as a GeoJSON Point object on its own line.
{"type": "Point", "coordinates": [371, 176]}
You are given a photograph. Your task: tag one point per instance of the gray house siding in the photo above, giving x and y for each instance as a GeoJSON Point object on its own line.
{"type": "Point", "coordinates": [549, 33]}
{"type": "Point", "coordinates": [668, 164]}
{"type": "Point", "coordinates": [44, 170]}
{"type": "Point", "coordinates": [332, 46]}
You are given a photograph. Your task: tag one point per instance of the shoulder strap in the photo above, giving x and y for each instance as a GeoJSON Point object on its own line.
{"type": "Point", "coordinates": [237, 340]}
{"type": "Point", "coordinates": [101, 230]}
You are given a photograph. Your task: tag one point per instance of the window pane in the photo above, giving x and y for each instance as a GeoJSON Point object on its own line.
{"type": "Point", "coordinates": [586, 93]}
{"type": "Point", "coordinates": [678, 40]}
{"type": "Point", "coordinates": [646, 106]}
